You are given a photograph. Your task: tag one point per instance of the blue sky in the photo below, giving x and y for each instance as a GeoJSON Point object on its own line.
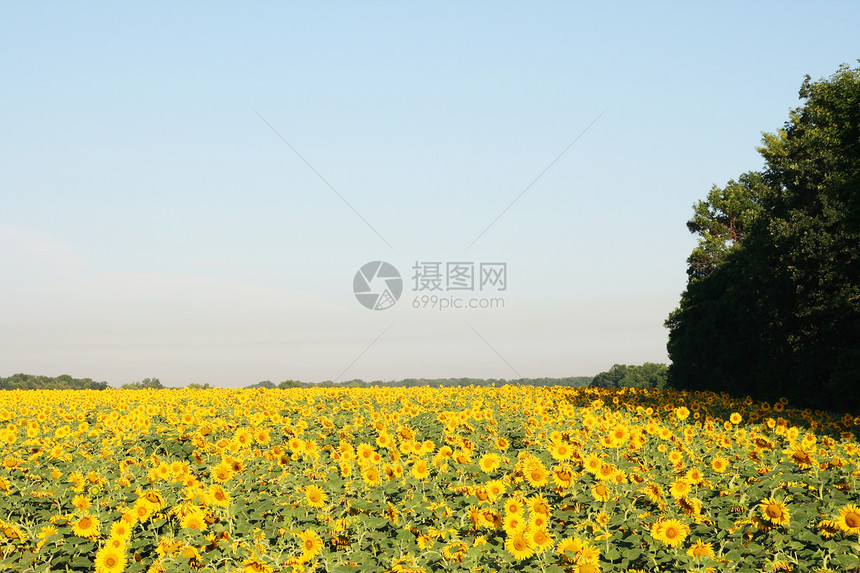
{"type": "Point", "coordinates": [152, 224]}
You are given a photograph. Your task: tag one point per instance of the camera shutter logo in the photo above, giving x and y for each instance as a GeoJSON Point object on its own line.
{"type": "Point", "coordinates": [377, 285]}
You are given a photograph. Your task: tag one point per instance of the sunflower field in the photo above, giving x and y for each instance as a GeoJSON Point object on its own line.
{"type": "Point", "coordinates": [406, 480]}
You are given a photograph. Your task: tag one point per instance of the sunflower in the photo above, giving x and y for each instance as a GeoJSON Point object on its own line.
{"type": "Point", "coordinates": [481, 493]}
{"type": "Point", "coordinates": [243, 437]}
{"type": "Point", "coordinates": [690, 505]}
{"type": "Point", "coordinates": [618, 436]}
{"type": "Point", "coordinates": [476, 516]}
{"type": "Point", "coordinates": [669, 531]}
{"type": "Point", "coordinates": [153, 499]}
{"type": "Point", "coordinates": [345, 468]}
{"type": "Point", "coordinates": [455, 551]}
{"type": "Point", "coordinates": [11, 530]}
{"type": "Point", "coordinates": [600, 492]}
{"type": "Point", "coordinates": [849, 519]}
{"type": "Point", "coordinates": [542, 539]}
{"type": "Point", "coordinates": [364, 453]}
{"type": "Point", "coordinates": [384, 440]}
{"type": "Point", "coordinates": [194, 520]}
{"type": "Point", "coordinates": [800, 456]}
{"type": "Point", "coordinates": [420, 470]}
{"type": "Point", "coordinates": [514, 522]}
{"type": "Point", "coordinates": [162, 471]}
{"type": "Point", "coordinates": [47, 531]}
{"type": "Point", "coordinates": [371, 476]}
{"type": "Point", "coordinates": [538, 504]}
{"type": "Point", "coordinates": [680, 488]}
{"type": "Point", "coordinates": [676, 458]}
{"type": "Point", "coordinates": [255, 566]}
{"type": "Point", "coordinates": [262, 436]}
{"type": "Point", "coordinates": [605, 472]}
{"type": "Point", "coordinates": [653, 492]}
{"type": "Point", "coordinates": [110, 560]}
{"type": "Point", "coordinates": [719, 465]}
{"type": "Point", "coordinates": [219, 497]}
{"type": "Point", "coordinates": [495, 489]}
{"type": "Point", "coordinates": [561, 451]}
{"type": "Point", "coordinates": [536, 474]}
{"type": "Point", "coordinates": [587, 567]}
{"type": "Point", "coordinates": [81, 502]}
{"type": "Point", "coordinates": [699, 549]}
{"type": "Point", "coordinates": [569, 544]}
{"type": "Point", "coordinates": [563, 476]}
{"type": "Point", "coordinates": [520, 544]}
{"type": "Point", "coordinates": [129, 517]}
{"type": "Point", "coordinates": [735, 418]}
{"type": "Point", "coordinates": [117, 543]}
{"type": "Point", "coordinates": [538, 521]}
{"type": "Point", "coordinates": [316, 496]}
{"type": "Point", "coordinates": [235, 464]}
{"type": "Point", "coordinates": [776, 512]}
{"type": "Point", "coordinates": [489, 462]}
{"type": "Point", "coordinates": [295, 444]}
{"type": "Point", "coordinates": [222, 472]}
{"type": "Point", "coordinates": [514, 505]}
{"type": "Point", "coordinates": [828, 528]}
{"type": "Point", "coordinates": [311, 448]}
{"type": "Point", "coordinates": [592, 463]}
{"type": "Point", "coordinates": [587, 554]}
{"type": "Point", "coordinates": [444, 453]}
{"type": "Point", "coordinates": [492, 519]}
{"type": "Point", "coordinates": [694, 475]}
{"type": "Point", "coordinates": [86, 526]}
{"type": "Point", "coordinates": [120, 529]}
{"type": "Point", "coordinates": [311, 544]}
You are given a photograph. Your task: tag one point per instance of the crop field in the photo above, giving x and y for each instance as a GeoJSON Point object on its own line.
{"type": "Point", "coordinates": [406, 480]}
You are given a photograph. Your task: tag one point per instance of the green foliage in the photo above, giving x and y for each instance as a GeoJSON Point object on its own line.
{"type": "Point", "coordinates": [778, 312]}
{"type": "Point", "coordinates": [722, 220]}
{"type": "Point", "coordinates": [62, 382]}
{"type": "Point", "coordinates": [264, 384]}
{"type": "Point", "coordinates": [430, 382]}
{"type": "Point", "coordinates": [146, 383]}
{"type": "Point", "coordinates": [648, 375]}
{"type": "Point", "coordinates": [195, 386]}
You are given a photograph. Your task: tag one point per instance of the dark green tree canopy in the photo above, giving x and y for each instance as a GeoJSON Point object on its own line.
{"type": "Point", "coordinates": [648, 375]}
{"type": "Point", "coordinates": [775, 311]}
{"type": "Point", "coordinates": [62, 382]}
{"type": "Point", "coordinates": [722, 220]}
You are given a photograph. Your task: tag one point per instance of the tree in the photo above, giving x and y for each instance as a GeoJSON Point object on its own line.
{"type": "Point", "coordinates": [22, 381]}
{"type": "Point", "coordinates": [198, 386]}
{"type": "Point", "coordinates": [722, 220]}
{"type": "Point", "coordinates": [777, 313]}
{"type": "Point", "coordinates": [648, 375]}
{"type": "Point", "coordinates": [151, 383]}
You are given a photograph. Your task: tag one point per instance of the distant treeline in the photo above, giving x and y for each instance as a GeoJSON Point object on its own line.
{"type": "Point", "coordinates": [62, 382]}
{"type": "Point", "coordinates": [648, 375]}
{"type": "Point", "coordinates": [430, 382]}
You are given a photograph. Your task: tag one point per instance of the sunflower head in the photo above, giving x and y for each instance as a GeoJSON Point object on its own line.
{"type": "Point", "coordinates": [775, 512]}
{"type": "Point", "coordinates": [849, 519]}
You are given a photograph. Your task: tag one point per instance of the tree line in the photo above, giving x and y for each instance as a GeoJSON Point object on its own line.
{"type": "Point", "coordinates": [430, 382]}
{"type": "Point", "coordinates": [62, 382]}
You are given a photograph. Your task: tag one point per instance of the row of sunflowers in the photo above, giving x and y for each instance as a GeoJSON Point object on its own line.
{"type": "Point", "coordinates": [406, 480]}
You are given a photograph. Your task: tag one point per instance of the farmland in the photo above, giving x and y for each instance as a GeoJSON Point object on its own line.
{"type": "Point", "coordinates": [512, 478]}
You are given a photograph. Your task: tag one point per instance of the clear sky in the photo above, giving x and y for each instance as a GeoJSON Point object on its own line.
{"type": "Point", "coordinates": [187, 190]}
